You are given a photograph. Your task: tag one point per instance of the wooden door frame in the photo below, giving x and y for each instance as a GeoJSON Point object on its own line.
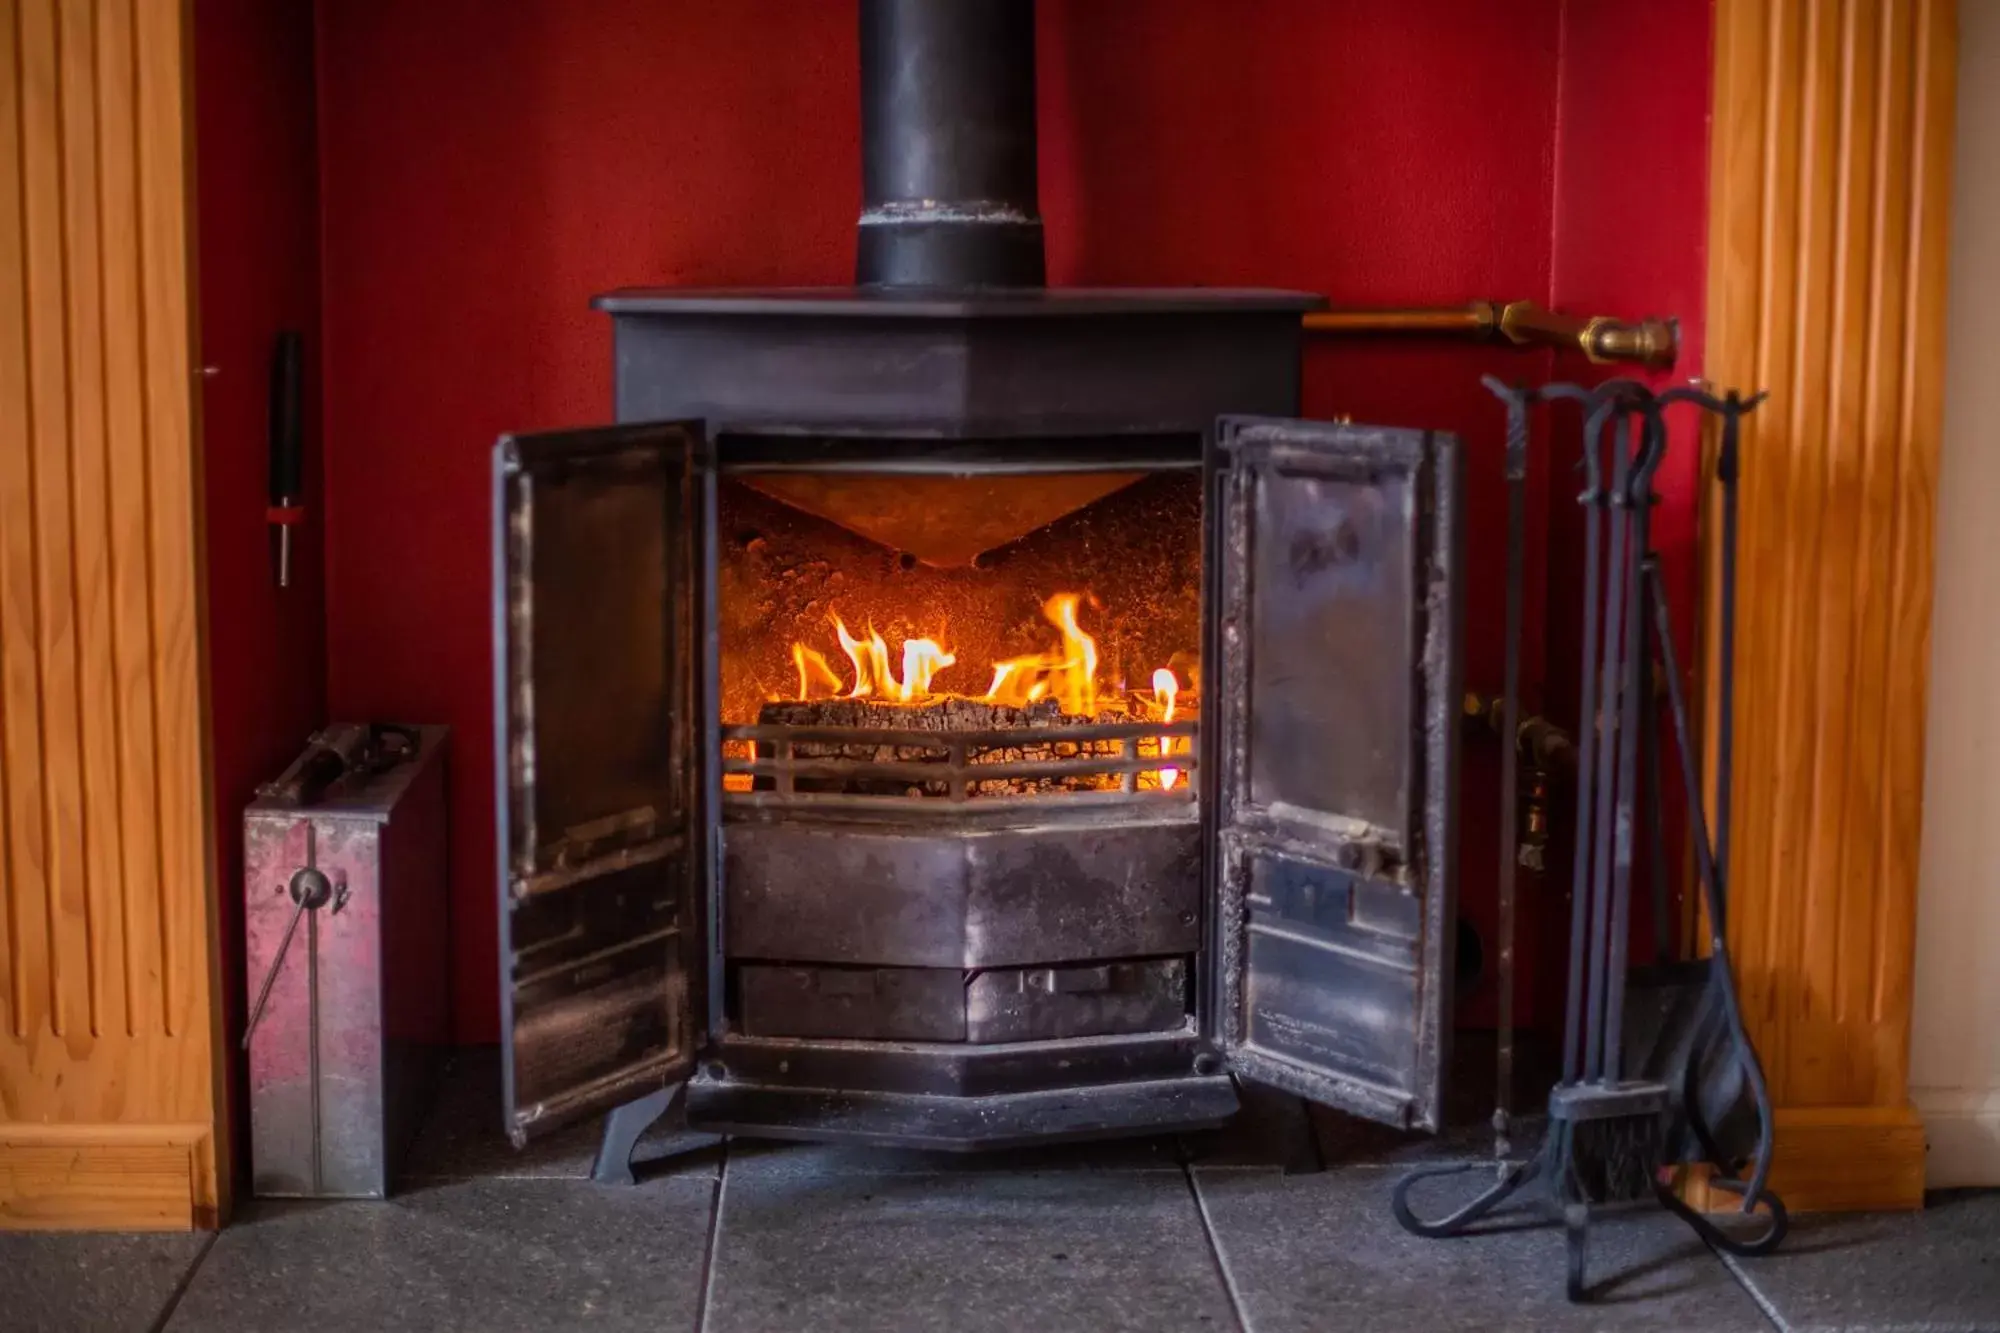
{"type": "Point", "coordinates": [112, 1112]}
{"type": "Point", "coordinates": [1830, 193]}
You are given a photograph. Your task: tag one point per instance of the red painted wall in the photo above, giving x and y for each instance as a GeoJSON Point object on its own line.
{"type": "Point", "coordinates": [258, 237]}
{"type": "Point", "coordinates": [1631, 222]}
{"type": "Point", "coordinates": [1631, 219]}
{"type": "Point", "coordinates": [486, 168]}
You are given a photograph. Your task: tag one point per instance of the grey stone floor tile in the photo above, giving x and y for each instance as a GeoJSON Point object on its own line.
{"type": "Point", "coordinates": [1322, 1252]}
{"type": "Point", "coordinates": [1040, 1251]}
{"type": "Point", "coordinates": [1937, 1271]}
{"type": "Point", "coordinates": [97, 1283]}
{"type": "Point", "coordinates": [482, 1256]}
{"type": "Point", "coordinates": [462, 1138]}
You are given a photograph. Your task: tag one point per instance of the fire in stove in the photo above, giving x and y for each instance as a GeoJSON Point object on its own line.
{"type": "Point", "coordinates": [1043, 724]}
{"type": "Point", "coordinates": [1057, 664]}
{"type": "Point", "coordinates": [1066, 672]}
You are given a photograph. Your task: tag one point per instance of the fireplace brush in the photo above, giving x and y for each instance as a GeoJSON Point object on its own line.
{"type": "Point", "coordinates": [1658, 1071]}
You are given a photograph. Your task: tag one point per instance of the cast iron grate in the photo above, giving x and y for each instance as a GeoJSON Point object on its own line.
{"type": "Point", "coordinates": [845, 767]}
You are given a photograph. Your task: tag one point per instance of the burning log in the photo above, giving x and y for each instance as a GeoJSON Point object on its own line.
{"type": "Point", "coordinates": [1047, 692]}
{"type": "Point", "coordinates": [944, 715]}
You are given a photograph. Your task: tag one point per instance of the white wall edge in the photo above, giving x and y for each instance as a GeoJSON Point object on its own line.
{"type": "Point", "coordinates": [1962, 1127]}
{"type": "Point", "coordinates": [1955, 1024]}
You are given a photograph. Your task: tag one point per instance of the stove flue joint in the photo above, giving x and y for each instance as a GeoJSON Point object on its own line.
{"type": "Point", "coordinates": [949, 187]}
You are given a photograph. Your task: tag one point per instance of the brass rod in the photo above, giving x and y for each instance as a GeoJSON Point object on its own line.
{"type": "Point", "coordinates": [1650, 342]}
{"type": "Point", "coordinates": [1481, 319]}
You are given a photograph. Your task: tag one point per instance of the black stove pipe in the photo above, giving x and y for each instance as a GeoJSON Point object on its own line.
{"type": "Point", "coordinates": [949, 195]}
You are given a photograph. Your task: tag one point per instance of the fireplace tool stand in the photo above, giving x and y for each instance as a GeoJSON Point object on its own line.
{"type": "Point", "coordinates": [1658, 1071]}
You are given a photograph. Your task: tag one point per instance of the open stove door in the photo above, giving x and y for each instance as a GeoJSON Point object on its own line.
{"type": "Point", "coordinates": [1335, 631]}
{"type": "Point", "coordinates": [603, 883]}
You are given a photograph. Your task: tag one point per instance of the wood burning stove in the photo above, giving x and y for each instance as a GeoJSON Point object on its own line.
{"type": "Point", "coordinates": [954, 713]}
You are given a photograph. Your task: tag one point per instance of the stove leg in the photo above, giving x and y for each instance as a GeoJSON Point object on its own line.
{"type": "Point", "coordinates": [622, 1129]}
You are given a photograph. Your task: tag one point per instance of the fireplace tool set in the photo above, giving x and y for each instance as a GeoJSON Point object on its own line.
{"type": "Point", "coordinates": [1657, 1070]}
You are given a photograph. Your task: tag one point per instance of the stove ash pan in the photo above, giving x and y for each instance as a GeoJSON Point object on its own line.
{"type": "Point", "coordinates": [989, 935]}
{"type": "Point", "coordinates": [1009, 951]}
{"type": "Point", "coordinates": [822, 893]}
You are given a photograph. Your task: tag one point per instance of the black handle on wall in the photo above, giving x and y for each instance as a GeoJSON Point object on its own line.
{"type": "Point", "coordinates": [287, 436]}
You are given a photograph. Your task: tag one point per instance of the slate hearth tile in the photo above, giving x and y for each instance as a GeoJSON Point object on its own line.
{"type": "Point", "coordinates": [1045, 1251]}
{"type": "Point", "coordinates": [1937, 1270]}
{"type": "Point", "coordinates": [769, 1156]}
{"type": "Point", "coordinates": [462, 1138]}
{"type": "Point", "coordinates": [1273, 1129]}
{"type": "Point", "coordinates": [480, 1256]}
{"type": "Point", "coordinates": [1346, 1140]}
{"type": "Point", "coordinates": [1322, 1252]}
{"type": "Point", "coordinates": [102, 1283]}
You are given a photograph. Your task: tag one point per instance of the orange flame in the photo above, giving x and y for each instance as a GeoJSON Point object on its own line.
{"type": "Point", "coordinates": [1001, 675]}
{"type": "Point", "coordinates": [1067, 673]}
{"type": "Point", "coordinates": [857, 653]}
{"type": "Point", "coordinates": [1165, 687]}
{"type": "Point", "coordinates": [815, 676]}
{"type": "Point", "coordinates": [922, 660]}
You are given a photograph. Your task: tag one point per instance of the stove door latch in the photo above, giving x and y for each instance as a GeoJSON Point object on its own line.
{"type": "Point", "coordinates": [1067, 980]}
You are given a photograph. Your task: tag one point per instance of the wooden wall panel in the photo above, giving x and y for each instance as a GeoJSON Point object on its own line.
{"type": "Point", "coordinates": [107, 1029]}
{"type": "Point", "coordinates": [1829, 200]}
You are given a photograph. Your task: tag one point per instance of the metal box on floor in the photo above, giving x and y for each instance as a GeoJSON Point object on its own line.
{"type": "Point", "coordinates": [347, 954]}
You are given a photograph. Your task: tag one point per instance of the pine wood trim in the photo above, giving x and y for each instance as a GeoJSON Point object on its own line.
{"type": "Point", "coordinates": [108, 1020]}
{"type": "Point", "coordinates": [1829, 196]}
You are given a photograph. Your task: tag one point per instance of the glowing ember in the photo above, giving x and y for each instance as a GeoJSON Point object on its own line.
{"type": "Point", "coordinates": [1167, 689]}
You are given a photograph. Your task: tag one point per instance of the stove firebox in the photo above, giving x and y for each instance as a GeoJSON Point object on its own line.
{"type": "Point", "coordinates": [959, 715]}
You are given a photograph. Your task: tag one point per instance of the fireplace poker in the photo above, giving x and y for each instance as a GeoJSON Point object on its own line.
{"type": "Point", "coordinates": [1605, 736]}
{"type": "Point", "coordinates": [1512, 1175]}
{"type": "Point", "coordinates": [1516, 465]}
